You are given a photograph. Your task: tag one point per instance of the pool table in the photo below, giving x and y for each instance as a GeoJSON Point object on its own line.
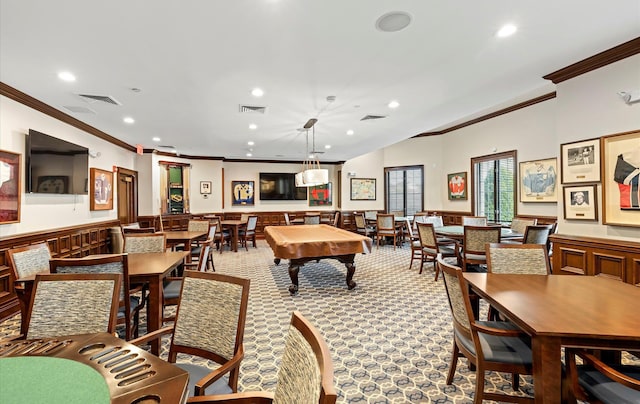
{"type": "Point", "coordinates": [303, 243]}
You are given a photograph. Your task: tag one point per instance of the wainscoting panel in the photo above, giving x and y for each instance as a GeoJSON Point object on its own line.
{"type": "Point", "coordinates": [615, 259]}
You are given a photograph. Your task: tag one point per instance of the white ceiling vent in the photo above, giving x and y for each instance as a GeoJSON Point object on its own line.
{"type": "Point", "coordinates": [253, 109]}
{"type": "Point", "coordinates": [91, 98]}
{"type": "Point", "coordinates": [369, 117]}
{"type": "Point", "coordinates": [78, 110]}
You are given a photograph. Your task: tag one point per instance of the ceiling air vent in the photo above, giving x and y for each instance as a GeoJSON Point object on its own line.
{"type": "Point", "coordinates": [253, 109]}
{"type": "Point", "coordinates": [78, 110]}
{"type": "Point", "coordinates": [369, 117]}
{"type": "Point", "coordinates": [102, 98]}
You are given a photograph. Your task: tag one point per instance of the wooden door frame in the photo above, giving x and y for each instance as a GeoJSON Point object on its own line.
{"type": "Point", "coordinates": [134, 200]}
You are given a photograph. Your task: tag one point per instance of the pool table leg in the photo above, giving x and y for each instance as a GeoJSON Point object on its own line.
{"type": "Point", "coordinates": [293, 274]}
{"type": "Point", "coordinates": [351, 269]}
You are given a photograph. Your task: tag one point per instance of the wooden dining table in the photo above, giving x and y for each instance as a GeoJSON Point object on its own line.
{"type": "Point", "coordinates": [234, 226]}
{"type": "Point", "coordinates": [152, 268]}
{"type": "Point", "coordinates": [562, 311]}
{"type": "Point", "coordinates": [457, 232]}
{"type": "Point", "coordinates": [184, 237]}
{"type": "Point", "coordinates": [101, 366]}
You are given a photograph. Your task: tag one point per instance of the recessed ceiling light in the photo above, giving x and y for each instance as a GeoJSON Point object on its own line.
{"type": "Point", "coordinates": [327, 146]}
{"type": "Point", "coordinates": [506, 31]}
{"type": "Point", "coordinates": [257, 92]}
{"type": "Point", "coordinates": [250, 143]}
{"type": "Point", "coordinates": [129, 120]}
{"type": "Point", "coordinates": [394, 104]}
{"type": "Point", "coordinates": [393, 21]}
{"type": "Point", "coordinates": [156, 139]}
{"type": "Point", "coordinates": [253, 126]}
{"type": "Point", "coordinates": [350, 132]}
{"type": "Point", "coordinates": [249, 154]}
{"type": "Point", "coordinates": [66, 76]}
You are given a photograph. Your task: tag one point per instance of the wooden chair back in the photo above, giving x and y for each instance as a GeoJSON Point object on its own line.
{"type": "Point", "coordinates": [474, 220]}
{"type": "Point", "coordinates": [66, 304]}
{"type": "Point", "coordinates": [145, 243]}
{"type": "Point", "coordinates": [518, 259]}
{"type": "Point", "coordinates": [198, 225]}
{"type": "Point", "coordinates": [28, 260]}
{"type": "Point", "coordinates": [519, 225]}
{"type": "Point", "coordinates": [105, 264]}
{"type": "Point", "coordinates": [287, 220]}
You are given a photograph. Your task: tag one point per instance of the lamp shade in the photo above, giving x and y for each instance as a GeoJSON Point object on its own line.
{"type": "Point", "coordinates": [312, 177]}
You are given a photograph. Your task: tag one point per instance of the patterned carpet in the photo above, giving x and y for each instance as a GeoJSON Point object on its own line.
{"type": "Point", "coordinates": [390, 337]}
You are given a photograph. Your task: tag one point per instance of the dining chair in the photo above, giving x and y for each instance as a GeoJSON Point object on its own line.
{"type": "Point", "coordinates": [505, 258]}
{"type": "Point", "coordinates": [362, 227]}
{"type": "Point", "coordinates": [221, 236]}
{"type": "Point", "coordinates": [196, 251]}
{"type": "Point", "coordinates": [386, 227]}
{"type": "Point", "coordinates": [145, 243]}
{"type": "Point", "coordinates": [519, 225]}
{"type": "Point", "coordinates": [595, 381]}
{"type": "Point", "coordinates": [172, 285]}
{"type": "Point", "coordinates": [488, 345]}
{"type": "Point", "coordinates": [414, 242]}
{"type": "Point", "coordinates": [305, 374]}
{"type": "Point", "coordinates": [248, 232]}
{"type": "Point", "coordinates": [312, 219]}
{"type": "Point", "coordinates": [431, 247]}
{"type": "Point", "coordinates": [24, 262]}
{"type": "Point", "coordinates": [129, 305]}
{"type": "Point", "coordinates": [336, 219]}
{"type": "Point", "coordinates": [210, 304]}
{"type": "Point", "coordinates": [474, 220]}
{"type": "Point", "coordinates": [67, 304]}
{"type": "Point", "coordinates": [133, 230]}
{"type": "Point", "coordinates": [474, 242]}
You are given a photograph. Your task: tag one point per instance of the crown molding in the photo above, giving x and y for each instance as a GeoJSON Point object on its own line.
{"type": "Point", "coordinates": [46, 109]}
{"type": "Point", "coordinates": [594, 62]}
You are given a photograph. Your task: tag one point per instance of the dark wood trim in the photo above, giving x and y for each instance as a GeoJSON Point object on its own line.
{"type": "Point", "coordinates": [333, 163]}
{"type": "Point", "coordinates": [492, 115]}
{"type": "Point", "coordinates": [594, 62]}
{"type": "Point", "coordinates": [40, 106]}
{"type": "Point", "coordinates": [174, 163]}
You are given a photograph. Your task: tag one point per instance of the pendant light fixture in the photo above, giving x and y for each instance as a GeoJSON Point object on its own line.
{"type": "Point", "coordinates": [311, 174]}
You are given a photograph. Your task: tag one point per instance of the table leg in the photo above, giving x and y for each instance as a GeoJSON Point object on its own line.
{"type": "Point", "coordinates": [547, 369]}
{"type": "Point", "coordinates": [154, 317]}
{"type": "Point", "coordinates": [348, 261]}
{"type": "Point", "coordinates": [294, 268]}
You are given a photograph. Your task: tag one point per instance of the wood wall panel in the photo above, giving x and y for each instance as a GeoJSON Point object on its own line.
{"type": "Point", "coordinates": [75, 241]}
{"type": "Point", "coordinates": [615, 259]}
{"type": "Point", "coordinates": [609, 266]}
{"type": "Point", "coordinates": [572, 261]}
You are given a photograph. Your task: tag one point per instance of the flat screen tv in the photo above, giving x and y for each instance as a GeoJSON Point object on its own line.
{"type": "Point", "coordinates": [280, 187]}
{"type": "Point", "coordinates": [55, 166]}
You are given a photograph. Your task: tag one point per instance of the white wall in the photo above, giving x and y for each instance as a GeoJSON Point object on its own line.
{"type": "Point", "coordinates": [42, 211]}
{"type": "Point", "coordinates": [588, 106]}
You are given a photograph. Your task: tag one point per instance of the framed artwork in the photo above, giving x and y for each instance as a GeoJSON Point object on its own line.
{"type": "Point", "coordinates": [580, 161]}
{"type": "Point", "coordinates": [53, 184]}
{"type": "Point", "coordinates": [457, 183]}
{"type": "Point", "coordinates": [101, 196]}
{"type": "Point", "coordinates": [320, 195]}
{"type": "Point", "coordinates": [205, 187]}
{"type": "Point", "coordinates": [242, 193]}
{"type": "Point", "coordinates": [9, 187]}
{"type": "Point", "coordinates": [363, 189]}
{"type": "Point", "coordinates": [620, 157]}
{"type": "Point", "coordinates": [580, 202]}
{"type": "Point", "coordinates": [538, 180]}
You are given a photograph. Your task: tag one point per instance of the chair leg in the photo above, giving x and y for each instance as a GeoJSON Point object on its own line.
{"type": "Point", "coordinates": [436, 269]}
{"type": "Point", "coordinates": [454, 362]}
{"type": "Point", "coordinates": [479, 392]}
{"type": "Point", "coordinates": [515, 381]}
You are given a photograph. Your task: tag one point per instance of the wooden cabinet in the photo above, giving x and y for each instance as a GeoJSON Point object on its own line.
{"type": "Point", "coordinates": [175, 188]}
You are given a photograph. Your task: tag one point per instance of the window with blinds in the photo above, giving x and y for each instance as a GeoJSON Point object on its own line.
{"type": "Point", "coordinates": [494, 182]}
{"type": "Point", "coordinates": [404, 190]}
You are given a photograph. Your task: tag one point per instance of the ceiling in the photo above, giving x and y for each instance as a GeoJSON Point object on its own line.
{"type": "Point", "coordinates": [195, 63]}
